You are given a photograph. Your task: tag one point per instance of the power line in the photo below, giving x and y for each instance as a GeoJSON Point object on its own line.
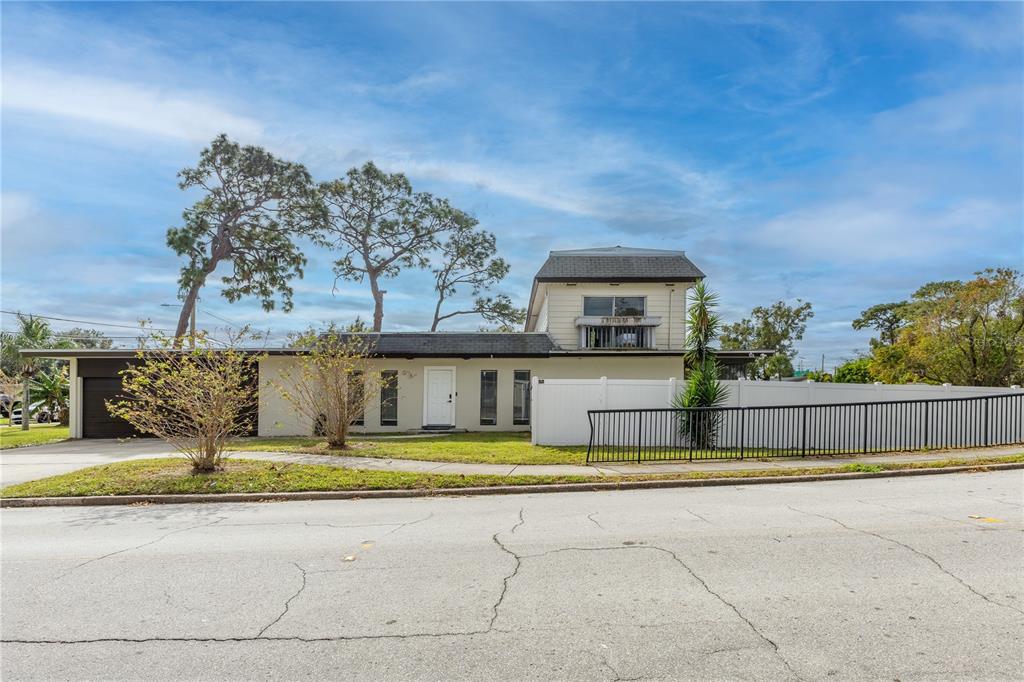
{"type": "Point", "coordinates": [207, 312]}
{"type": "Point", "coordinates": [101, 324]}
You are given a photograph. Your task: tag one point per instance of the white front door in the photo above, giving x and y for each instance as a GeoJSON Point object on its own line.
{"type": "Point", "coordinates": [440, 400]}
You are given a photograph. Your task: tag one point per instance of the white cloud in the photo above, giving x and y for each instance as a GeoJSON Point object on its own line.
{"type": "Point", "coordinates": [189, 116]}
{"type": "Point", "coordinates": [996, 30]}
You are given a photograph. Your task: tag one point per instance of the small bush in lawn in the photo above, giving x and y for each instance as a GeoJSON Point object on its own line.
{"type": "Point", "coordinates": [193, 398]}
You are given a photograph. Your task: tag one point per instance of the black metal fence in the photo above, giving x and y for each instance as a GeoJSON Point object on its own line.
{"type": "Point", "coordinates": [645, 435]}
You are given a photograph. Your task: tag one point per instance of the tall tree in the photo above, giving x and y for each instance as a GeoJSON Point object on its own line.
{"type": "Point", "coordinates": [885, 318]}
{"type": "Point", "coordinates": [967, 333]}
{"type": "Point", "coordinates": [776, 327]}
{"type": "Point", "coordinates": [253, 208]}
{"type": "Point", "coordinates": [32, 332]}
{"type": "Point", "coordinates": [380, 226]}
{"type": "Point", "coordinates": [467, 259]}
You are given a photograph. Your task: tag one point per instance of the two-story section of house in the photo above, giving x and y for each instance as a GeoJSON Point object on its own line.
{"type": "Point", "coordinates": [615, 312]}
{"type": "Point", "coordinates": [613, 299]}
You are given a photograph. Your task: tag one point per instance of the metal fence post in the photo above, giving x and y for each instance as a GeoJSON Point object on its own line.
{"type": "Point", "coordinates": [639, 434]}
{"type": "Point", "coordinates": [987, 401]}
{"type": "Point", "coordinates": [743, 430]}
{"type": "Point", "coordinates": [864, 449]}
{"type": "Point", "coordinates": [803, 437]}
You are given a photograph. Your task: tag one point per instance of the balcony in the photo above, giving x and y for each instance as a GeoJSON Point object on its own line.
{"type": "Point", "coordinates": [617, 333]}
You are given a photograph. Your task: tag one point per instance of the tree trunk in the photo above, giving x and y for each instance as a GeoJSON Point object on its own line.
{"type": "Point", "coordinates": [25, 413]}
{"type": "Point", "coordinates": [187, 309]}
{"type": "Point", "coordinates": [378, 302]}
{"type": "Point", "coordinates": [437, 314]}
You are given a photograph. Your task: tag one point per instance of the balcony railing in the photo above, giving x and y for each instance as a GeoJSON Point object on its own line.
{"type": "Point", "coordinates": [616, 337]}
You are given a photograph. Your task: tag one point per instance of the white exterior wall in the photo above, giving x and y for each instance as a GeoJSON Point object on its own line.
{"type": "Point", "coordinates": [561, 406]}
{"type": "Point", "coordinates": [563, 303]}
{"type": "Point", "coordinates": [74, 400]}
{"type": "Point", "coordinates": [278, 418]}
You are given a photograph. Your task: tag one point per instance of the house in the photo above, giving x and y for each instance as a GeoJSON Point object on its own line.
{"type": "Point", "coordinates": [611, 312]}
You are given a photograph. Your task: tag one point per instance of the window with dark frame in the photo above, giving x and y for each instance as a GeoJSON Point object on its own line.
{"type": "Point", "coordinates": [389, 397]}
{"type": "Point", "coordinates": [521, 397]}
{"type": "Point", "coordinates": [488, 397]}
{"type": "Point", "coordinates": [614, 306]}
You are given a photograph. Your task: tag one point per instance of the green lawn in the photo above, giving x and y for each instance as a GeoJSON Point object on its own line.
{"type": "Point", "coordinates": [174, 475]}
{"type": "Point", "coordinates": [490, 448]}
{"type": "Point", "coordinates": [37, 434]}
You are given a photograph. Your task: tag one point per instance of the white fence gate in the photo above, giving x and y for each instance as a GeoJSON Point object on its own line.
{"type": "Point", "coordinates": [559, 406]}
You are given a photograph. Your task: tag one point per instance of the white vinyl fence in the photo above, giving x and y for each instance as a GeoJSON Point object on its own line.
{"type": "Point", "coordinates": [559, 406]}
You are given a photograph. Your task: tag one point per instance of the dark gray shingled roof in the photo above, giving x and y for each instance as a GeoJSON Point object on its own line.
{"type": "Point", "coordinates": [459, 344]}
{"type": "Point", "coordinates": [618, 264]}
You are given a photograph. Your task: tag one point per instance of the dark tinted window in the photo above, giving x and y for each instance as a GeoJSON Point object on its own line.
{"type": "Point", "coordinates": [629, 306]}
{"type": "Point", "coordinates": [489, 397]}
{"type": "Point", "coordinates": [389, 397]}
{"type": "Point", "coordinates": [521, 397]}
{"type": "Point", "coordinates": [598, 305]}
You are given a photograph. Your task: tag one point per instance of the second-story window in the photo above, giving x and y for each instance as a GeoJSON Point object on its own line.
{"type": "Point", "coordinates": [614, 306]}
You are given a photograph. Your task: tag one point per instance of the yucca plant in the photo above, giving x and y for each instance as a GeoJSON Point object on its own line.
{"type": "Point", "coordinates": [703, 389]}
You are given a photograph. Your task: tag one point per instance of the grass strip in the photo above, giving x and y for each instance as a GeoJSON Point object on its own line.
{"type": "Point", "coordinates": [174, 476]}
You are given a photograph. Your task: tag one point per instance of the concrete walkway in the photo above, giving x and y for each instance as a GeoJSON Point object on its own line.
{"type": "Point", "coordinates": [29, 463]}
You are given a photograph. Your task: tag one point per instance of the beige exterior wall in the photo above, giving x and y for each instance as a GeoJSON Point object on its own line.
{"type": "Point", "coordinates": [277, 418]}
{"type": "Point", "coordinates": [562, 303]}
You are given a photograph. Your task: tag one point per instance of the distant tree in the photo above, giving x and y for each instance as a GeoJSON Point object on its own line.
{"type": "Point", "coordinates": [703, 388]}
{"type": "Point", "coordinates": [855, 372]}
{"type": "Point", "coordinates": [776, 327]}
{"type": "Point", "coordinates": [380, 226]}
{"type": "Point", "coordinates": [195, 399]}
{"type": "Point", "coordinates": [467, 259]}
{"type": "Point", "coordinates": [885, 318]}
{"type": "Point", "coordinates": [32, 332]}
{"type": "Point", "coordinates": [254, 207]}
{"type": "Point", "coordinates": [331, 382]}
{"type": "Point", "coordinates": [967, 333]}
{"type": "Point", "coordinates": [87, 338]}
{"type": "Point", "coordinates": [819, 376]}
{"type": "Point", "coordinates": [51, 390]}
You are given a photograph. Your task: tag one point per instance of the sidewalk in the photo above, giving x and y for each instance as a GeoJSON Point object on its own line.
{"type": "Point", "coordinates": [30, 463]}
{"type": "Point", "coordinates": [624, 468]}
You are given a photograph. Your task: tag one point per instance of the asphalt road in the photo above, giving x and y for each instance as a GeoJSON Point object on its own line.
{"type": "Point", "coordinates": [909, 578]}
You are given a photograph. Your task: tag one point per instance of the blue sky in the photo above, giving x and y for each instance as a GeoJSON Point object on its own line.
{"type": "Point", "coordinates": [838, 153]}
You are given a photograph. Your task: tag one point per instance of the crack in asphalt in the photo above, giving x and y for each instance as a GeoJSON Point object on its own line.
{"type": "Point", "coordinates": [915, 511]}
{"type": "Point", "coordinates": [288, 603]}
{"type": "Point", "coordinates": [693, 513]}
{"type": "Point", "coordinates": [707, 588]}
{"type": "Point", "coordinates": [508, 578]}
{"type": "Point", "coordinates": [595, 521]}
{"type": "Point", "coordinates": [135, 547]}
{"type": "Point", "coordinates": [923, 555]}
{"type": "Point", "coordinates": [409, 523]}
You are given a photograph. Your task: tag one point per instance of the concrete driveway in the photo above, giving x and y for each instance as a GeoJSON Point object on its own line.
{"type": "Point", "coordinates": [18, 465]}
{"type": "Point", "coordinates": [909, 579]}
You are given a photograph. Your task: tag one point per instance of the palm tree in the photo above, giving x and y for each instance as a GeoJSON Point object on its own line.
{"type": "Point", "coordinates": [33, 332]}
{"type": "Point", "coordinates": [703, 389]}
{"type": "Point", "coordinates": [50, 389]}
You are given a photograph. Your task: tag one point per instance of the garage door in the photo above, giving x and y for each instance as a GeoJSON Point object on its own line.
{"type": "Point", "coordinates": [96, 421]}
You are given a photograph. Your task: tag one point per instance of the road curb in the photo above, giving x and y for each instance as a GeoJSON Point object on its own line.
{"type": "Point", "coordinates": [105, 500]}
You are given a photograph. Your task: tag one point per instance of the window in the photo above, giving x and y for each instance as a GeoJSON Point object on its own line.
{"type": "Point", "coordinates": [598, 306]}
{"type": "Point", "coordinates": [617, 306]}
{"type": "Point", "coordinates": [389, 397]}
{"type": "Point", "coordinates": [488, 397]}
{"type": "Point", "coordinates": [356, 387]}
{"type": "Point", "coordinates": [521, 397]}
